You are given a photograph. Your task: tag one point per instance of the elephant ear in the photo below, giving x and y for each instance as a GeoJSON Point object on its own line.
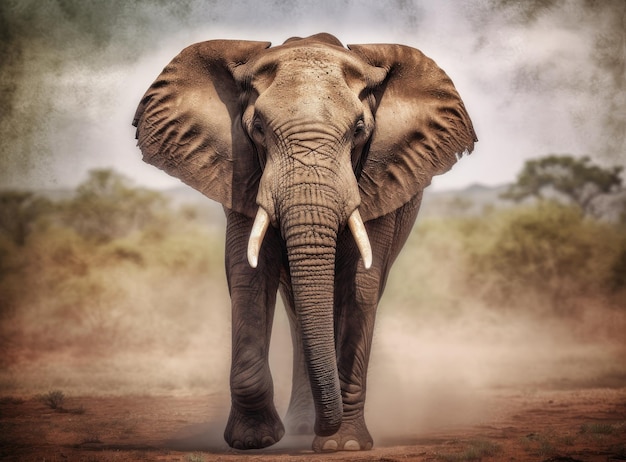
{"type": "Point", "coordinates": [189, 125]}
{"type": "Point", "coordinates": [422, 128]}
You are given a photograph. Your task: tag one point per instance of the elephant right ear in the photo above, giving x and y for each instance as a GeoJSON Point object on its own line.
{"type": "Point", "coordinates": [189, 123]}
{"type": "Point", "coordinates": [422, 128]}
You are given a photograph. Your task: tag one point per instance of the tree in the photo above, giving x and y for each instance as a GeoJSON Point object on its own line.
{"type": "Point", "coordinates": [19, 211]}
{"type": "Point", "coordinates": [576, 179]}
{"type": "Point", "coordinates": [107, 206]}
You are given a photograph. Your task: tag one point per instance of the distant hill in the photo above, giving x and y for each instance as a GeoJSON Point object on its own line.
{"type": "Point", "coordinates": [468, 201]}
{"type": "Point", "coordinates": [473, 199]}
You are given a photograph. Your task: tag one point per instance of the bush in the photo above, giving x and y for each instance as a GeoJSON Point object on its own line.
{"type": "Point", "coordinates": [429, 272]}
{"type": "Point", "coordinates": [545, 257]}
{"type": "Point", "coordinates": [20, 211]}
{"type": "Point", "coordinates": [547, 254]}
{"type": "Point", "coordinates": [53, 399]}
{"type": "Point", "coordinates": [618, 270]}
{"type": "Point", "coordinates": [68, 291]}
{"type": "Point", "coordinates": [107, 206]}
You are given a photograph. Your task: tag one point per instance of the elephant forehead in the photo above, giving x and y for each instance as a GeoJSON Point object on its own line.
{"type": "Point", "coordinates": [311, 58]}
{"type": "Point", "coordinates": [304, 96]}
{"type": "Point", "coordinates": [310, 82]}
{"type": "Point", "coordinates": [308, 63]}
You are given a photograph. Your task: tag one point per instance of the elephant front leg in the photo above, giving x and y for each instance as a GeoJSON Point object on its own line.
{"type": "Point", "coordinates": [253, 422]}
{"type": "Point", "coordinates": [355, 327]}
{"type": "Point", "coordinates": [357, 293]}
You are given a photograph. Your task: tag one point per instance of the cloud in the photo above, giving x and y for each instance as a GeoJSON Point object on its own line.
{"type": "Point", "coordinates": [537, 77]}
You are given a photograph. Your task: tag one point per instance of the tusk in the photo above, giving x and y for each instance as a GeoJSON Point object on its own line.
{"type": "Point", "coordinates": [360, 236]}
{"type": "Point", "coordinates": [261, 222]}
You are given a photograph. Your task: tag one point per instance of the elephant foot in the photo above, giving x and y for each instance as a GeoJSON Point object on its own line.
{"type": "Point", "coordinates": [300, 421]}
{"type": "Point", "coordinates": [253, 429]}
{"type": "Point", "coordinates": [300, 427]}
{"type": "Point", "coordinates": [352, 436]}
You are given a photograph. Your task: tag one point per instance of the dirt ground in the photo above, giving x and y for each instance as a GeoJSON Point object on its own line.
{"type": "Point", "coordinates": [575, 425]}
{"type": "Point", "coordinates": [484, 386]}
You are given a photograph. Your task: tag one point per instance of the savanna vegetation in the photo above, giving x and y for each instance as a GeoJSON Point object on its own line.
{"type": "Point", "coordinates": [109, 272]}
{"type": "Point", "coordinates": [546, 258]}
{"type": "Point", "coordinates": [117, 270]}
{"type": "Point", "coordinates": [558, 247]}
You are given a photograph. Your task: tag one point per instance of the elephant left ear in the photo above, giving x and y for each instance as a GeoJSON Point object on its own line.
{"type": "Point", "coordinates": [189, 122]}
{"type": "Point", "coordinates": [422, 128]}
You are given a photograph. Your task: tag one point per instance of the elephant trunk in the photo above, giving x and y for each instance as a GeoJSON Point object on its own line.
{"type": "Point", "coordinates": [311, 201]}
{"type": "Point", "coordinates": [310, 233]}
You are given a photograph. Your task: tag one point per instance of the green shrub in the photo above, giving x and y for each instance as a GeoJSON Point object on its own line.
{"type": "Point", "coordinates": [107, 206]}
{"type": "Point", "coordinates": [547, 254]}
{"type": "Point", "coordinates": [546, 257]}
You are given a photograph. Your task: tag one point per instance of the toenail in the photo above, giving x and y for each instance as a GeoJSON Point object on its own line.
{"type": "Point", "coordinates": [351, 445]}
{"type": "Point", "coordinates": [267, 441]}
{"type": "Point", "coordinates": [237, 444]}
{"type": "Point", "coordinates": [330, 445]}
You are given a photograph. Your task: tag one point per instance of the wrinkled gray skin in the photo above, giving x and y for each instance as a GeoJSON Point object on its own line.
{"type": "Point", "coordinates": [305, 134]}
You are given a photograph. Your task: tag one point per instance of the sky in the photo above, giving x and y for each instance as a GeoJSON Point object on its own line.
{"type": "Point", "coordinates": [537, 77]}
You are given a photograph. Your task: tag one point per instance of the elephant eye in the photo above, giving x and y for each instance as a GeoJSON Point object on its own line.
{"type": "Point", "coordinates": [359, 128]}
{"type": "Point", "coordinates": [258, 134]}
{"type": "Point", "coordinates": [257, 126]}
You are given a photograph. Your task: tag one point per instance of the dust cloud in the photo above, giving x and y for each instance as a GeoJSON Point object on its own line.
{"type": "Point", "coordinates": [151, 334]}
{"type": "Point", "coordinates": [444, 373]}
{"type": "Point", "coordinates": [438, 371]}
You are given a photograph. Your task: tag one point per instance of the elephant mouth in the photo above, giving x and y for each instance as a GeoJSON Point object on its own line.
{"type": "Point", "coordinates": [262, 220]}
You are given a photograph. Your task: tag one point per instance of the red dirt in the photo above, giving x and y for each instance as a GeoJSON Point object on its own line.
{"type": "Point", "coordinates": [466, 388]}
{"type": "Point", "coordinates": [578, 425]}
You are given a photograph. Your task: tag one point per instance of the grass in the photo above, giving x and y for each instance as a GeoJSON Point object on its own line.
{"type": "Point", "coordinates": [53, 399]}
{"type": "Point", "coordinates": [475, 450]}
{"type": "Point", "coordinates": [597, 428]}
{"type": "Point", "coordinates": [195, 457]}
{"type": "Point", "coordinates": [541, 444]}
{"type": "Point", "coordinates": [549, 443]}
{"type": "Point", "coordinates": [11, 400]}
{"type": "Point", "coordinates": [91, 438]}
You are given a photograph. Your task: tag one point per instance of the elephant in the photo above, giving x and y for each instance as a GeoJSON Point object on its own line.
{"type": "Point", "coordinates": [319, 154]}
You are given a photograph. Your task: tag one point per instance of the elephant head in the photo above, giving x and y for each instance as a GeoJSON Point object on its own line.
{"type": "Point", "coordinates": [309, 137]}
